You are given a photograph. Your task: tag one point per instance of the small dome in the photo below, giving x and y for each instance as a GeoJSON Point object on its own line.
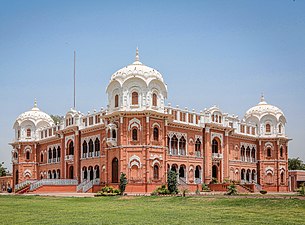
{"type": "Point", "coordinates": [264, 108]}
{"type": "Point", "coordinates": [136, 69]}
{"type": "Point", "coordinates": [35, 115]}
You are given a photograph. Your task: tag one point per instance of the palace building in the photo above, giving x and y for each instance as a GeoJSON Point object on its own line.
{"type": "Point", "coordinates": [141, 136]}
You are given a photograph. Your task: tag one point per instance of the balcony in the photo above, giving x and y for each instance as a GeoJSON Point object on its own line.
{"type": "Point", "coordinates": [217, 156]}
{"type": "Point", "coordinates": [111, 142]}
{"type": "Point", "coordinates": [69, 157]}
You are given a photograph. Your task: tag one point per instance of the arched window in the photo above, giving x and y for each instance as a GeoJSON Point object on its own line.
{"type": "Point", "coordinates": [97, 147]}
{"type": "Point", "coordinates": [85, 150]}
{"type": "Point", "coordinates": [219, 119]}
{"type": "Point", "coordinates": [281, 151]}
{"type": "Point", "coordinates": [27, 155]}
{"type": "Point", "coordinates": [280, 128]}
{"type": "Point", "coordinates": [135, 98]}
{"type": "Point", "coordinates": [115, 170]}
{"type": "Point", "coordinates": [154, 99]}
{"type": "Point", "coordinates": [156, 134]}
{"type": "Point", "coordinates": [197, 172]}
{"type": "Point", "coordinates": [58, 174]}
{"type": "Point", "coordinates": [282, 177]}
{"type": "Point", "coordinates": [134, 134]}
{"type": "Point", "coordinates": [17, 177]}
{"type": "Point", "coordinates": [197, 145]}
{"type": "Point", "coordinates": [54, 153]}
{"type": "Point", "coordinates": [268, 152]}
{"type": "Point", "coordinates": [28, 132]}
{"type": "Point", "coordinates": [58, 153]}
{"type": "Point", "coordinates": [15, 155]}
{"type": "Point", "coordinates": [90, 148]}
{"type": "Point", "coordinates": [50, 155]}
{"type": "Point", "coordinates": [71, 149]}
{"type": "Point", "coordinates": [156, 172]}
{"type": "Point", "coordinates": [182, 144]}
{"type": "Point", "coordinates": [116, 101]}
{"type": "Point", "coordinates": [71, 172]}
{"type": "Point", "coordinates": [97, 171]}
{"type": "Point", "coordinates": [174, 145]}
{"type": "Point", "coordinates": [41, 157]}
{"type": "Point", "coordinates": [114, 133]}
{"type": "Point", "coordinates": [214, 146]}
{"type": "Point", "coordinates": [268, 128]}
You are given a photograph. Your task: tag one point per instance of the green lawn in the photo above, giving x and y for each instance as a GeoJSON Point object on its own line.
{"type": "Point", "coordinates": [150, 210]}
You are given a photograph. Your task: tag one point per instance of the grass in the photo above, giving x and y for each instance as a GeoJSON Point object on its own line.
{"type": "Point", "coordinates": [150, 210]}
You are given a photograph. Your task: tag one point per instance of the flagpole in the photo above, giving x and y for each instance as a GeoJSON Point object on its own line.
{"type": "Point", "coordinates": [74, 80]}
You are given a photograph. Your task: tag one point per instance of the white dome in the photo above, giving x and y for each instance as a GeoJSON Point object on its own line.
{"type": "Point", "coordinates": [36, 116]}
{"type": "Point", "coordinates": [136, 77]}
{"type": "Point", "coordinates": [136, 69]}
{"type": "Point", "coordinates": [263, 108]}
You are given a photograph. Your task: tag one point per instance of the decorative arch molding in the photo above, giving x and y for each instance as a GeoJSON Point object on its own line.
{"type": "Point", "coordinates": [236, 171]}
{"type": "Point", "coordinates": [178, 134]}
{"type": "Point", "coordinates": [27, 149]}
{"type": "Point", "coordinates": [282, 169]}
{"type": "Point", "coordinates": [134, 123]}
{"type": "Point", "coordinates": [198, 137]}
{"type": "Point", "coordinates": [191, 168]}
{"type": "Point", "coordinates": [155, 156]}
{"type": "Point", "coordinates": [53, 146]}
{"type": "Point", "coordinates": [69, 138]}
{"type": "Point", "coordinates": [217, 135]}
{"type": "Point", "coordinates": [93, 138]}
{"type": "Point", "coordinates": [134, 160]}
{"type": "Point", "coordinates": [28, 173]}
{"type": "Point", "coordinates": [156, 125]}
{"type": "Point", "coordinates": [269, 145]}
{"type": "Point", "coordinates": [191, 141]}
{"type": "Point", "coordinates": [269, 170]}
{"type": "Point", "coordinates": [156, 161]}
{"type": "Point", "coordinates": [246, 145]}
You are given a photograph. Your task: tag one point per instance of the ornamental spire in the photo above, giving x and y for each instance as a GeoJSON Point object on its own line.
{"type": "Point", "coordinates": [262, 97]}
{"type": "Point", "coordinates": [137, 54]}
{"type": "Point", "coordinates": [35, 103]}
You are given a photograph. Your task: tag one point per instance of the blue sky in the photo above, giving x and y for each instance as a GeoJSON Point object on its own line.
{"type": "Point", "coordinates": [223, 53]}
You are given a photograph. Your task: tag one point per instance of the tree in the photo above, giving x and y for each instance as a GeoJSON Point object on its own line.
{"type": "Point", "coordinates": [123, 183]}
{"type": "Point", "coordinates": [57, 119]}
{"type": "Point", "coordinates": [2, 170]}
{"type": "Point", "coordinates": [296, 164]}
{"type": "Point", "coordinates": [172, 182]}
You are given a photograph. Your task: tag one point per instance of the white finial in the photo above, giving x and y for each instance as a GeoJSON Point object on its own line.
{"type": "Point", "coordinates": [262, 97]}
{"type": "Point", "coordinates": [35, 103]}
{"type": "Point", "coordinates": [137, 55]}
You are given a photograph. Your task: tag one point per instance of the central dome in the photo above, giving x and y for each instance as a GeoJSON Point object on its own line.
{"type": "Point", "coordinates": [137, 69]}
{"type": "Point", "coordinates": [136, 87]}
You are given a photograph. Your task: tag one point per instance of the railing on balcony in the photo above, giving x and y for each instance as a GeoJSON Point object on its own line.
{"type": "Point", "coordinates": [111, 142]}
{"type": "Point", "coordinates": [197, 180]}
{"type": "Point", "coordinates": [69, 157]}
{"type": "Point", "coordinates": [52, 182]}
{"type": "Point", "coordinates": [217, 156]}
{"type": "Point", "coordinates": [197, 153]}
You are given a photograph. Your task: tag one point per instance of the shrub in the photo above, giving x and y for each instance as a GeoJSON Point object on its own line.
{"type": "Point", "coordinates": [205, 187]}
{"type": "Point", "coordinates": [214, 181]}
{"type": "Point", "coordinates": [123, 183]}
{"type": "Point", "coordinates": [108, 191]}
{"type": "Point", "coordinates": [197, 192]}
{"type": "Point", "coordinates": [301, 190]}
{"type": "Point", "coordinates": [232, 190]}
{"type": "Point", "coordinates": [263, 192]}
{"type": "Point", "coordinates": [161, 191]}
{"type": "Point", "coordinates": [172, 182]}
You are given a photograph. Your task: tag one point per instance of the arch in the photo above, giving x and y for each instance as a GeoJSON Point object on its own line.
{"type": "Point", "coordinates": [54, 153]}
{"type": "Point", "coordinates": [85, 149]}
{"type": "Point", "coordinates": [54, 174]}
{"type": "Point", "coordinates": [215, 172]}
{"type": "Point", "coordinates": [49, 174]}
{"type": "Point", "coordinates": [91, 174]}
{"type": "Point", "coordinates": [90, 144]}
{"type": "Point", "coordinates": [115, 170]}
{"type": "Point", "coordinates": [248, 174]}
{"type": "Point", "coordinates": [268, 152]}
{"type": "Point", "coordinates": [174, 168]}
{"type": "Point", "coordinates": [242, 153]}
{"type": "Point", "coordinates": [116, 101]}
{"type": "Point", "coordinates": [281, 151]}
{"type": "Point", "coordinates": [58, 153]}
{"type": "Point", "coordinates": [156, 172]}
{"type": "Point", "coordinates": [27, 155]}
{"type": "Point", "coordinates": [215, 146]}
{"type": "Point", "coordinates": [242, 174]}
{"type": "Point", "coordinates": [197, 145]}
{"type": "Point", "coordinates": [248, 153]}
{"type": "Point", "coordinates": [97, 171]}
{"type": "Point", "coordinates": [71, 172]}
{"type": "Point", "coordinates": [282, 177]}
{"type": "Point", "coordinates": [174, 145]}
{"type": "Point", "coordinates": [85, 173]}
{"type": "Point", "coordinates": [134, 98]}
{"type": "Point", "coordinates": [71, 148]}
{"type": "Point", "coordinates": [28, 132]}
{"type": "Point", "coordinates": [267, 128]}
{"type": "Point", "coordinates": [182, 171]}
{"type": "Point", "coordinates": [253, 175]}
{"type": "Point", "coordinates": [182, 145]}
{"type": "Point", "coordinates": [134, 134]}
{"type": "Point", "coordinates": [113, 133]}
{"type": "Point", "coordinates": [97, 147]}
{"type": "Point", "coordinates": [198, 172]}
{"type": "Point", "coordinates": [58, 174]}
{"type": "Point", "coordinates": [154, 100]}
{"type": "Point", "coordinates": [41, 157]}
{"type": "Point", "coordinates": [156, 134]}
